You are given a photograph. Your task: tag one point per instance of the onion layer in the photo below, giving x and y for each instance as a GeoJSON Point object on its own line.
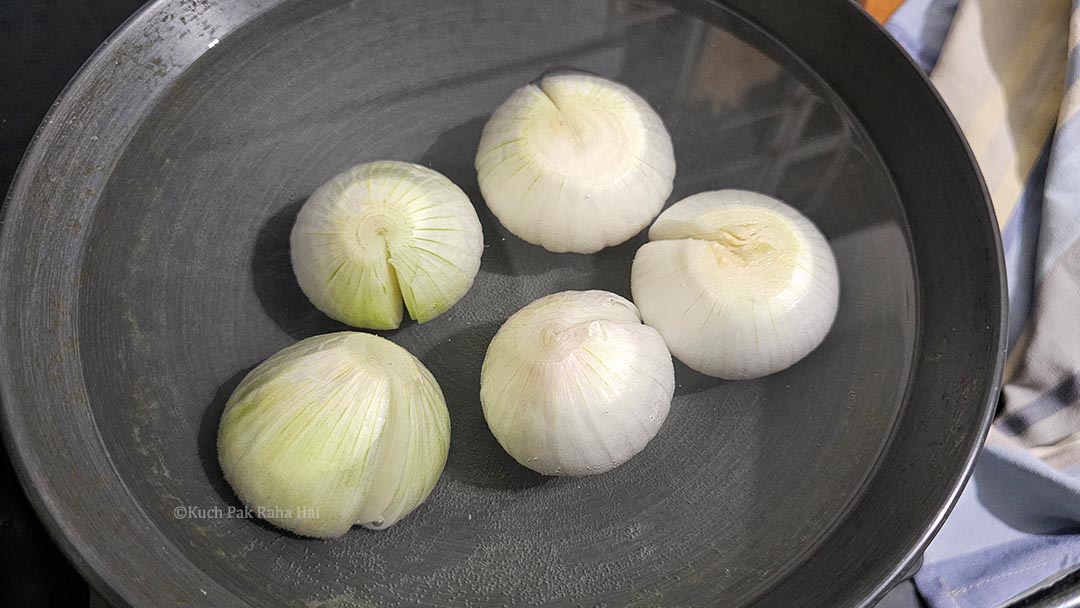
{"type": "Point", "coordinates": [383, 235]}
{"type": "Point", "coordinates": [336, 430]}
{"type": "Point", "coordinates": [575, 162]}
{"type": "Point", "coordinates": [739, 284]}
{"type": "Point", "coordinates": [574, 384]}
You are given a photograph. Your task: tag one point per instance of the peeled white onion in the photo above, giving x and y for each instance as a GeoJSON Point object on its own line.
{"type": "Point", "coordinates": [384, 235]}
{"type": "Point", "coordinates": [575, 162]}
{"type": "Point", "coordinates": [336, 430]}
{"type": "Point", "coordinates": [574, 384]}
{"type": "Point", "coordinates": [739, 284]}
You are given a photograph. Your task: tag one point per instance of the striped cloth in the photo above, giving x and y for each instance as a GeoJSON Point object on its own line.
{"type": "Point", "coordinates": [1008, 70]}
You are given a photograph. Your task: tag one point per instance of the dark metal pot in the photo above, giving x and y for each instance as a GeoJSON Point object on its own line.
{"type": "Point", "coordinates": [145, 268]}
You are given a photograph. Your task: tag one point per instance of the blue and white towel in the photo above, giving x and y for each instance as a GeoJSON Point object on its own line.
{"type": "Point", "coordinates": [1008, 69]}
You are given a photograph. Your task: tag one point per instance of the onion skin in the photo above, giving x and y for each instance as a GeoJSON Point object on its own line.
{"type": "Point", "coordinates": [739, 284]}
{"type": "Point", "coordinates": [575, 163]}
{"type": "Point", "coordinates": [574, 384]}
{"type": "Point", "coordinates": [335, 430]}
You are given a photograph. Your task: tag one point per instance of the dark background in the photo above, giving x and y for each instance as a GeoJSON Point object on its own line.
{"type": "Point", "coordinates": [42, 44]}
